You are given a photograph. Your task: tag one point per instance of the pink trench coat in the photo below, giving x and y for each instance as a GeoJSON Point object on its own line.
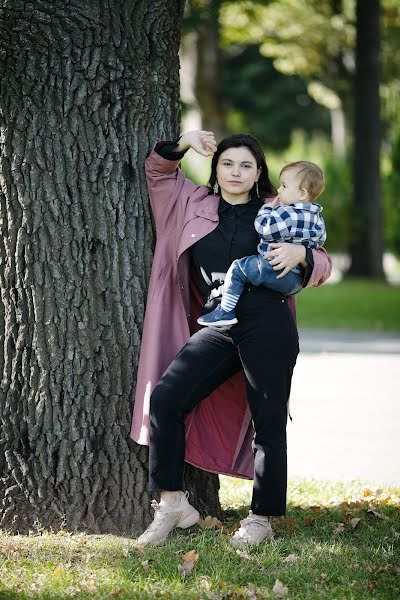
{"type": "Point", "coordinates": [219, 431]}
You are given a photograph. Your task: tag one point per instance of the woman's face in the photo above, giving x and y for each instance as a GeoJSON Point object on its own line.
{"type": "Point", "coordinates": [237, 172]}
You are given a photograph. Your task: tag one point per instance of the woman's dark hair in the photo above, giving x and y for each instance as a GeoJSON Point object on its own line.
{"type": "Point", "coordinates": [265, 187]}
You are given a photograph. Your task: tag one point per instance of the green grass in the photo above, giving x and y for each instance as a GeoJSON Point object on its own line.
{"type": "Point", "coordinates": [351, 304]}
{"type": "Point", "coordinates": [356, 563]}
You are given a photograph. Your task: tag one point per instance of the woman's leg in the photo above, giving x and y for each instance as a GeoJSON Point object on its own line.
{"type": "Point", "coordinates": [267, 340]}
{"type": "Point", "coordinates": [207, 360]}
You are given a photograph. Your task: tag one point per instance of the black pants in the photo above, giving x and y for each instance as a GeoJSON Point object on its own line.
{"type": "Point", "coordinates": [265, 344]}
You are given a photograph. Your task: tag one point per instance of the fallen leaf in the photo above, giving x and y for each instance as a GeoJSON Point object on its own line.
{"type": "Point", "coordinates": [210, 523]}
{"type": "Point", "coordinates": [309, 522]}
{"type": "Point", "coordinates": [385, 500]}
{"type": "Point", "coordinates": [145, 564]}
{"type": "Point", "coordinates": [375, 513]}
{"type": "Point", "coordinates": [188, 562]}
{"type": "Point", "coordinates": [289, 560]}
{"type": "Point", "coordinates": [367, 492]}
{"type": "Point", "coordinates": [12, 548]}
{"type": "Point", "coordinates": [205, 582]}
{"type": "Point", "coordinates": [288, 522]}
{"type": "Point", "coordinates": [58, 570]}
{"type": "Point", "coordinates": [251, 592]}
{"type": "Point", "coordinates": [340, 528]}
{"type": "Point", "coordinates": [279, 589]}
{"type": "Point", "coordinates": [229, 530]}
{"type": "Point", "coordinates": [354, 522]}
{"type": "Point", "coordinates": [244, 554]}
{"type": "Point", "coordinates": [368, 566]}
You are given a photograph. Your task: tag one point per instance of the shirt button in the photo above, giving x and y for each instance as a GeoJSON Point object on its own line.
{"type": "Point", "coordinates": [193, 235]}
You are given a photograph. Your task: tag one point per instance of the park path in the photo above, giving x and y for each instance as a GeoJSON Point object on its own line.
{"type": "Point", "coordinates": [345, 404]}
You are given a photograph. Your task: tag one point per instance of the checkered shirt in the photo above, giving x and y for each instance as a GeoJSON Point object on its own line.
{"type": "Point", "coordinates": [299, 223]}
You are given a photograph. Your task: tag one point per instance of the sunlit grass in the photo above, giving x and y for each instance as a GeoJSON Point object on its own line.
{"type": "Point", "coordinates": [330, 560]}
{"type": "Point", "coordinates": [350, 304]}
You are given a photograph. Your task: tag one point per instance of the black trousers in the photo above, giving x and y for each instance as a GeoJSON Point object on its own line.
{"type": "Point", "coordinates": [265, 344]}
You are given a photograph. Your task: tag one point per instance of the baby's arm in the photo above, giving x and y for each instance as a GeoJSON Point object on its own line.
{"type": "Point", "coordinates": [273, 224]}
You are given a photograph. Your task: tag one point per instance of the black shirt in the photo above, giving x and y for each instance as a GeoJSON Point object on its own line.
{"type": "Point", "coordinates": [234, 237]}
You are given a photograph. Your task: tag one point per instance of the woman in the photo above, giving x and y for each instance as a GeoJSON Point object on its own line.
{"type": "Point", "coordinates": [199, 234]}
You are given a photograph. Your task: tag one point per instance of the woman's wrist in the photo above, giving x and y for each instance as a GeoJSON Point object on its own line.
{"type": "Point", "coordinates": [183, 144]}
{"type": "Point", "coordinates": [303, 262]}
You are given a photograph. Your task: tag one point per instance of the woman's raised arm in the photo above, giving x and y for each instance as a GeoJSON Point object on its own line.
{"type": "Point", "coordinates": [168, 187]}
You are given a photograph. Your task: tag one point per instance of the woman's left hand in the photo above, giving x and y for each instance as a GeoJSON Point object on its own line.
{"type": "Point", "coordinates": [286, 256]}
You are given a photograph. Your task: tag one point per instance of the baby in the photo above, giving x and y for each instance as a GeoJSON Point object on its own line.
{"type": "Point", "coordinates": [292, 217]}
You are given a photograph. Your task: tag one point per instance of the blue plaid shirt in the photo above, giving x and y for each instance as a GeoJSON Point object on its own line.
{"type": "Point", "coordinates": [299, 223]}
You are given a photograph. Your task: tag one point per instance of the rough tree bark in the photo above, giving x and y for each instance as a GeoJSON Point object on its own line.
{"type": "Point", "coordinates": [86, 89]}
{"type": "Point", "coordinates": [366, 247]}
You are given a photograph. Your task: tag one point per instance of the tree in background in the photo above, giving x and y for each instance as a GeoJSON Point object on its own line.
{"type": "Point", "coordinates": [366, 247]}
{"type": "Point", "coordinates": [312, 39]}
{"type": "Point", "coordinates": [87, 88]}
{"type": "Point", "coordinates": [266, 103]}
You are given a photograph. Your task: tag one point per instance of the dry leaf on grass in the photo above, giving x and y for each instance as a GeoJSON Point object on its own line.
{"type": "Point", "coordinates": [354, 522]}
{"type": "Point", "coordinates": [279, 589]}
{"type": "Point", "coordinates": [229, 530]}
{"type": "Point", "coordinates": [145, 564]}
{"type": "Point", "coordinates": [340, 528]}
{"type": "Point", "coordinates": [205, 582]}
{"type": "Point", "coordinates": [188, 562]}
{"type": "Point", "coordinates": [11, 548]}
{"type": "Point", "coordinates": [210, 523]}
{"type": "Point", "coordinates": [244, 554]}
{"type": "Point", "coordinates": [251, 592]}
{"type": "Point", "coordinates": [58, 570]}
{"type": "Point", "coordinates": [289, 560]}
{"type": "Point", "coordinates": [372, 511]}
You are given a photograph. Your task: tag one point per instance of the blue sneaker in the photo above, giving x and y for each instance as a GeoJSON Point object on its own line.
{"type": "Point", "coordinates": [218, 317]}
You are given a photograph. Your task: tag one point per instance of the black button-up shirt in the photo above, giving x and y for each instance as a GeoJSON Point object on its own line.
{"type": "Point", "coordinates": [234, 237]}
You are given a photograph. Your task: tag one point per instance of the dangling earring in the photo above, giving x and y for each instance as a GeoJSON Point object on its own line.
{"type": "Point", "coordinates": [216, 188]}
{"type": "Point", "coordinates": [257, 192]}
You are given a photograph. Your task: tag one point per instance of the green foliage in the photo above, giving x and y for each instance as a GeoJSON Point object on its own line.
{"type": "Point", "coordinates": [266, 103]}
{"type": "Point", "coordinates": [306, 38]}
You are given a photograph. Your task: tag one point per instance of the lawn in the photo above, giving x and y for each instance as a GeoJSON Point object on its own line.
{"type": "Point", "coordinates": [350, 304]}
{"type": "Point", "coordinates": [336, 541]}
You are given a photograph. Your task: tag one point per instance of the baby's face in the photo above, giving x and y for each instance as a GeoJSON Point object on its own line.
{"type": "Point", "coordinates": [289, 191]}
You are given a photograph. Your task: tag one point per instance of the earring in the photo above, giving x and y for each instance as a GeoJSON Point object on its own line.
{"type": "Point", "coordinates": [216, 187]}
{"type": "Point", "coordinates": [257, 192]}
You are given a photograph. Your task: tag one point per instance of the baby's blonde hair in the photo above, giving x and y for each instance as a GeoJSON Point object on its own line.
{"type": "Point", "coordinates": [311, 177]}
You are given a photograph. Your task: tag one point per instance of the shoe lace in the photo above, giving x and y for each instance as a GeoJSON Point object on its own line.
{"type": "Point", "coordinates": [251, 523]}
{"type": "Point", "coordinates": [159, 515]}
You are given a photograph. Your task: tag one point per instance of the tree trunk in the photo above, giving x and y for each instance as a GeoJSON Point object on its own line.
{"type": "Point", "coordinates": [208, 80]}
{"type": "Point", "coordinates": [367, 243]}
{"type": "Point", "coordinates": [87, 88]}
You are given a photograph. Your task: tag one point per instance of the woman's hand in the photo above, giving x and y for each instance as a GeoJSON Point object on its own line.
{"type": "Point", "coordinates": [286, 256]}
{"type": "Point", "coordinates": [202, 141]}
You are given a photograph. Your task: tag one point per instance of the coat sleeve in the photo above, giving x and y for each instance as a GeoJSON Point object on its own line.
{"type": "Point", "coordinates": [322, 267]}
{"type": "Point", "coordinates": [169, 192]}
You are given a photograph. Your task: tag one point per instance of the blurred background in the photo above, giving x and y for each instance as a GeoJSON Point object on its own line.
{"type": "Point", "coordinates": [291, 73]}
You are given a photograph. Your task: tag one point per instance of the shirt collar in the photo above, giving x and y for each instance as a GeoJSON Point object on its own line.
{"type": "Point", "coordinates": [240, 209]}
